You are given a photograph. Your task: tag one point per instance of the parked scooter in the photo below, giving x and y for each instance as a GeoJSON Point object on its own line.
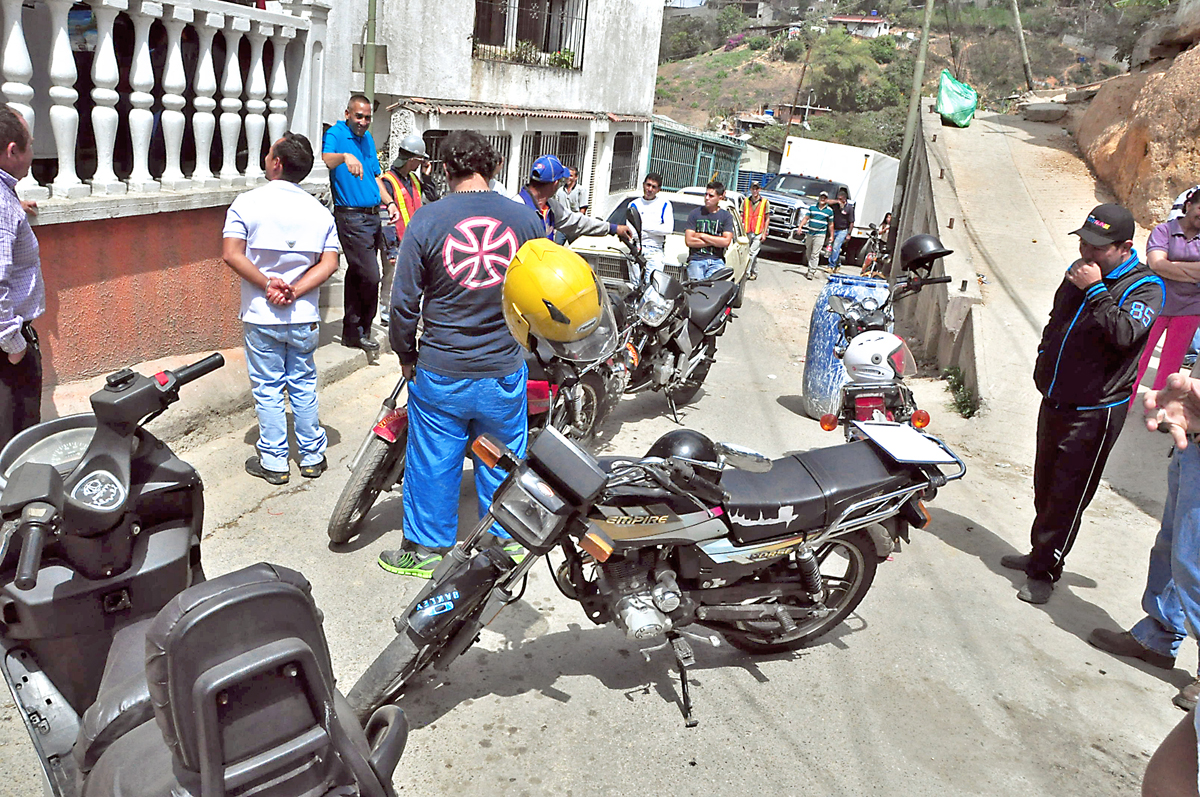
{"type": "Point", "coordinates": [875, 358]}
{"type": "Point", "coordinates": [134, 676]}
{"type": "Point", "coordinates": [673, 326]}
{"type": "Point", "coordinates": [772, 556]}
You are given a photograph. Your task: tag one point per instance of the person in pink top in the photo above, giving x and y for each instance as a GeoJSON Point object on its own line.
{"type": "Point", "coordinates": [1173, 252]}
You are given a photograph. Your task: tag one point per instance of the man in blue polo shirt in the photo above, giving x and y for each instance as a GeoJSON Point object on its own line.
{"type": "Point", "coordinates": [348, 151]}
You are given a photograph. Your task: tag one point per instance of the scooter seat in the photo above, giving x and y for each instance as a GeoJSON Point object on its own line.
{"type": "Point", "coordinates": [123, 700]}
{"type": "Point", "coordinates": [705, 302]}
{"type": "Point", "coordinates": [808, 491]}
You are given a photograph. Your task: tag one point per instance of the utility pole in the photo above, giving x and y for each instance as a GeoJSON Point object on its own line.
{"type": "Point", "coordinates": [796, 100]}
{"type": "Point", "coordinates": [914, 97]}
{"type": "Point", "coordinates": [369, 54]}
{"type": "Point", "coordinates": [910, 126]}
{"type": "Point", "coordinates": [1021, 40]}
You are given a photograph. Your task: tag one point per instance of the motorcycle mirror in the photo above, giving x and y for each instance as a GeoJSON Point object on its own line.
{"type": "Point", "coordinates": [743, 458]}
{"type": "Point", "coordinates": [633, 219]}
{"type": "Point", "coordinates": [873, 227]}
{"type": "Point", "coordinates": [837, 304]}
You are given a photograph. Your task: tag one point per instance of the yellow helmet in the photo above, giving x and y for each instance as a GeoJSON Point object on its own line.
{"type": "Point", "coordinates": [552, 294]}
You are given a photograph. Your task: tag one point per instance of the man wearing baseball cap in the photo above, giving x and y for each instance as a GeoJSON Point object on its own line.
{"type": "Point", "coordinates": [1085, 369]}
{"type": "Point", "coordinates": [539, 194]}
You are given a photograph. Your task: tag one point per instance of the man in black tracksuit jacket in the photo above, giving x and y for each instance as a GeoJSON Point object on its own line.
{"type": "Point", "coordinates": [1085, 371]}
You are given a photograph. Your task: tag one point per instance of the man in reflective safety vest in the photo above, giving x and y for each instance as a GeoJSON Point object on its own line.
{"type": "Point", "coordinates": [405, 190]}
{"type": "Point", "coordinates": [756, 213]}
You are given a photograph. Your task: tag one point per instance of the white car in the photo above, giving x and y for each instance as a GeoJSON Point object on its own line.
{"type": "Point", "coordinates": [605, 253]}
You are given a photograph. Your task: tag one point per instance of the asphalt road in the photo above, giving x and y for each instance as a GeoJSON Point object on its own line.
{"type": "Point", "coordinates": [941, 683]}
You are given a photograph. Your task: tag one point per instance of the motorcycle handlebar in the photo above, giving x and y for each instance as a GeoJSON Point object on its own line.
{"type": "Point", "coordinates": [34, 539]}
{"type": "Point", "coordinates": [937, 280]}
{"type": "Point", "coordinates": [190, 373]}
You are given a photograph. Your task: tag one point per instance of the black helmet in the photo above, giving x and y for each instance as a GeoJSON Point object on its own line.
{"type": "Point", "coordinates": [691, 445]}
{"type": "Point", "coordinates": [919, 252]}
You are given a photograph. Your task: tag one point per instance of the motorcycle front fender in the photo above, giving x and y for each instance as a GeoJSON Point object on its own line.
{"type": "Point", "coordinates": [392, 425]}
{"type": "Point", "coordinates": [455, 591]}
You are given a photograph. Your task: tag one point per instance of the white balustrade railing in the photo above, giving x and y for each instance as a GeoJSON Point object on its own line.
{"type": "Point", "coordinates": [177, 48]}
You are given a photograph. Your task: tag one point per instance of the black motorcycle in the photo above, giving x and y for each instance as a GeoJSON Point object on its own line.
{"type": "Point", "coordinates": [673, 326]}
{"type": "Point", "coordinates": [772, 556]}
{"type": "Point", "coordinates": [135, 676]}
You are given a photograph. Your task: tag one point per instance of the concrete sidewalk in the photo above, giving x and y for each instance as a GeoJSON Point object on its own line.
{"type": "Point", "coordinates": [227, 391]}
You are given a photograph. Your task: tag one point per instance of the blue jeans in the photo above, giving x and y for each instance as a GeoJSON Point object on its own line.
{"type": "Point", "coordinates": [444, 416]}
{"type": "Point", "coordinates": [279, 357]}
{"type": "Point", "coordinates": [835, 253]}
{"type": "Point", "coordinates": [704, 267]}
{"type": "Point", "coordinates": [1172, 597]}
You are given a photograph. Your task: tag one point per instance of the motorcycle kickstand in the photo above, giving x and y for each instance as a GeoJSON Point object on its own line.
{"type": "Point", "coordinates": [674, 412]}
{"type": "Point", "coordinates": [684, 657]}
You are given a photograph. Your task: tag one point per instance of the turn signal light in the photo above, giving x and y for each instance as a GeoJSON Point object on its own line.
{"type": "Point", "coordinates": [597, 544]}
{"type": "Point", "coordinates": [829, 422]}
{"type": "Point", "coordinates": [920, 419]}
{"type": "Point", "coordinates": [489, 450]}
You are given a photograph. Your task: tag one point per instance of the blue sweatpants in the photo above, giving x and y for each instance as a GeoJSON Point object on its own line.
{"type": "Point", "coordinates": [445, 415]}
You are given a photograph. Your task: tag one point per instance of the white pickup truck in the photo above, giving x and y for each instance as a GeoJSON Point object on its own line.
{"type": "Point", "coordinates": [809, 167]}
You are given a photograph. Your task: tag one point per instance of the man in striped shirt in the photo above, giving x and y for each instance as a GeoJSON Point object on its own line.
{"type": "Point", "coordinates": [22, 294]}
{"type": "Point", "coordinates": [817, 225]}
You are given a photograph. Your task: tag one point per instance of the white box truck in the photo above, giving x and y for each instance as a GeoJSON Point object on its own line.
{"type": "Point", "coordinates": [809, 166]}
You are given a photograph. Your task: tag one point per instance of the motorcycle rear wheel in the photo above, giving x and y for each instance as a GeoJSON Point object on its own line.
{"type": "Point", "coordinates": [688, 390]}
{"type": "Point", "coordinates": [366, 482]}
{"type": "Point", "coordinates": [846, 590]}
{"type": "Point", "coordinates": [593, 408]}
{"type": "Point", "coordinates": [393, 667]}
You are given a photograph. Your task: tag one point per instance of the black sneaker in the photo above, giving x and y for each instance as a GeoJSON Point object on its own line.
{"type": "Point", "coordinates": [254, 468]}
{"type": "Point", "coordinates": [315, 470]}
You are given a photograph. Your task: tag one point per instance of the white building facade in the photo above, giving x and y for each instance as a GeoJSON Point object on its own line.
{"type": "Point", "coordinates": [574, 78]}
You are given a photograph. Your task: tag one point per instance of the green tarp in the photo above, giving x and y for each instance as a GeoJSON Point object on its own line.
{"type": "Point", "coordinates": [956, 101]}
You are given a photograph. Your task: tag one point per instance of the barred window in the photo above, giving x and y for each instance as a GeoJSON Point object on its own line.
{"type": "Point", "coordinates": [537, 32]}
{"type": "Point", "coordinates": [567, 147]}
{"type": "Point", "coordinates": [433, 145]}
{"type": "Point", "coordinates": [627, 151]}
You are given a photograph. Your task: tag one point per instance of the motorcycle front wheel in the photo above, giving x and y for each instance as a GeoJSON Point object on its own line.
{"type": "Point", "coordinates": [591, 409]}
{"type": "Point", "coordinates": [393, 667]}
{"type": "Point", "coordinates": [366, 482]}
{"type": "Point", "coordinates": [848, 566]}
{"type": "Point", "coordinates": [688, 390]}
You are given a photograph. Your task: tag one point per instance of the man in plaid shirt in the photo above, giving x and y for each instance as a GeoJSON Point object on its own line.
{"type": "Point", "coordinates": [22, 294]}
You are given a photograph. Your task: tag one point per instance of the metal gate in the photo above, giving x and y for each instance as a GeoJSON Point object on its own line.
{"type": "Point", "coordinates": [685, 157]}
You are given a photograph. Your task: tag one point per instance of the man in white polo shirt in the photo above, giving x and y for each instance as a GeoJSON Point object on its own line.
{"type": "Point", "coordinates": [283, 243]}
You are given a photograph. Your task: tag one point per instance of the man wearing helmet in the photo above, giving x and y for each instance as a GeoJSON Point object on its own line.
{"type": "Point", "coordinates": [540, 196]}
{"type": "Point", "coordinates": [404, 193]}
{"type": "Point", "coordinates": [1085, 369]}
{"type": "Point", "coordinates": [467, 376]}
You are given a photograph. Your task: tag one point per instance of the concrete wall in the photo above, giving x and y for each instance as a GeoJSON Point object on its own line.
{"type": "Point", "coordinates": [941, 321]}
{"type": "Point", "coordinates": [429, 55]}
{"type": "Point", "coordinates": [121, 291]}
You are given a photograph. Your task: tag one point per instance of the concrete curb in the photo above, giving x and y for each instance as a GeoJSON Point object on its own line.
{"type": "Point", "coordinates": [223, 393]}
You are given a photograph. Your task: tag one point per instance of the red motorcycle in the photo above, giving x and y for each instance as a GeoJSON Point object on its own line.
{"type": "Point", "coordinates": [572, 397]}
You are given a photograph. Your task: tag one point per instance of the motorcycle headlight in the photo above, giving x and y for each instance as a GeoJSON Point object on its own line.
{"type": "Point", "coordinates": [654, 308]}
{"type": "Point", "coordinates": [530, 511]}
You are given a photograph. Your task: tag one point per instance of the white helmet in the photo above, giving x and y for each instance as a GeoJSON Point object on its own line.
{"type": "Point", "coordinates": [878, 356]}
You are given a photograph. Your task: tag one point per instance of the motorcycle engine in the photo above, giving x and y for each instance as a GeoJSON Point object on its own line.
{"type": "Point", "coordinates": [637, 605]}
{"type": "Point", "coordinates": [662, 367]}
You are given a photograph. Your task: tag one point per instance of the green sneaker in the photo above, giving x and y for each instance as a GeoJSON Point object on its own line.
{"type": "Point", "coordinates": [516, 551]}
{"type": "Point", "coordinates": [418, 563]}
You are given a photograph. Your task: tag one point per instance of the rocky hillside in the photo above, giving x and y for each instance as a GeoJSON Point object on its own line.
{"type": "Point", "coordinates": [1141, 133]}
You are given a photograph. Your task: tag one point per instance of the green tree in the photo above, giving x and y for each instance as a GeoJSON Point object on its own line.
{"type": "Point", "coordinates": [883, 49]}
{"type": "Point", "coordinates": [730, 21]}
{"type": "Point", "coordinates": [841, 66]}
